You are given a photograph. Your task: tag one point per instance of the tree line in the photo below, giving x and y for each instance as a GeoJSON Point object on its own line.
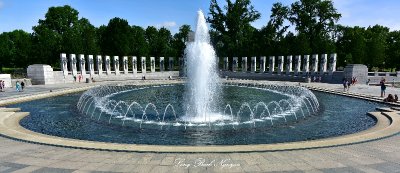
{"type": "Point", "coordinates": [303, 27]}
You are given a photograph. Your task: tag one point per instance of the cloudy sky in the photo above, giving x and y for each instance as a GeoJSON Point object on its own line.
{"type": "Point", "coordinates": [23, 14]}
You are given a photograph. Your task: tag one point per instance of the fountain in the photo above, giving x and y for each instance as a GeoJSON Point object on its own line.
{"type": "Point", "coordinates": [200, 111]}
{"type": "Point", "coordinates": [203, 80]}
{"type": "Point", "coordinates": [206, 101]}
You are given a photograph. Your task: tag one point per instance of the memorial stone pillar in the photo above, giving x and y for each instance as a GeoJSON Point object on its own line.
{"type": "Point", "coordinates": [125, 63]}
{"type": "Point", "coordinates": [324, 60]}
{"type": "Point", "coordinates": [332, 63]}
{"type": "Point", "coordinates": [134, 64]}
{"type": "Point", "coordinates": [82, 63]}
{"type": "Point", "coordinates": [235, 64]}
{"type": "Point", "coordinates": [72, 61]}
{"type": "Point", "coordinates": [226, 63]}
{"type": "Point", "coordinates": [297, 64]}
{"type": "Point", "coordinates": [314, 64]}
{"type": "Point", "coordinates": [288, 64]}
{"type": "Point", "coordinates": [280, 64]}
{"type": "Point", "coordinates": [152, 64]}
{"type": "Point", "coordinates": [162, 64]}
{"type": "Point", "coordinates": [306, 64]}
{"type": "Point", "coordinates": [64, 64]}
{"type": "Point", "coordinates": [271, 64]}
{"type": "Point", "coordinates": [253, 64]}
{"type": "Point", "coordinates": [116, 65]}
{"type": "Point", "coordinates": [262, 64]}
{"type": "Point", "coordinates": [99, 64]}
{"type": "Point", "coordinates": [108, 65]}
{"type": "Point", "coordinates": [244, 64]}
{"type": "Point", "coordinates": [91, 65]}
{"type": "Point", "coordinates": [143, 65]}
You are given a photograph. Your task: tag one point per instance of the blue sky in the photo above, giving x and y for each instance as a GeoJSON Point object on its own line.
{"type": "Point", "coordinates": [23, 14]}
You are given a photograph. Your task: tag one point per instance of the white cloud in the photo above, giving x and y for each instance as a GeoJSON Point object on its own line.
{"type": "Point", "coordinates": [167, 24]}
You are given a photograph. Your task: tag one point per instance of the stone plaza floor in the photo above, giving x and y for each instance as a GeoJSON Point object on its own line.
{"type": "Point", "coordinates": [375, 156]}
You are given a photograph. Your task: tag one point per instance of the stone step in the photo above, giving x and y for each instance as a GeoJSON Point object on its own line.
{"type": "Point", "coordinates": [3, 109]}
{"type": "Point", "coordinates": [385, 109]}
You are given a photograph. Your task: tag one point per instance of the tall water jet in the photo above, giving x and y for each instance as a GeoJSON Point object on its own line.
{"type": "Point", "coordinates": [203, 80]}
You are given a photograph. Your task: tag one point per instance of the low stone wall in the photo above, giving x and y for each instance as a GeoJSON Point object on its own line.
{"type": "Point", "coordinates": [41, 74]}
{"type": "Point", "coordinates": [7, 79]}
{"type": "Point", "coordinates": [262, 76]}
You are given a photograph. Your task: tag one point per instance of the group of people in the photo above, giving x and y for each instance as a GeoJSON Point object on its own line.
{"type": "Point", "coordinates": [390, 97]}
{"type": "Point", "coordinates": [2, 86]}
{"type": "Point", "coordinates": [347, 83]}
{"type": "Point", "coordinates": [19, 86]}
{"type": "Point", "coordinates": [316, 79]}
{"type": "Point", "coordinates": [79, 78]}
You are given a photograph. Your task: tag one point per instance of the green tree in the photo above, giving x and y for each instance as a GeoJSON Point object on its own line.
{"type": "Point", "coordinates": [232, 27]}
{"type": "Point", "coordinates": [179, 41]}
{"type": "Point", "coordinates": [139, 44]}
{"type": "Point", "coordinates": [152, 40]}
{"type": "Point", "coordinates": [49, 34]}
{"type": "Point", "coordinates": [376, 46]}
{"type": "Point", "coordinates": [393, 51]}
{"type": "Point", "coordinates": [316, 19]}
{"type": "Point", "coordinates": [116, 37]}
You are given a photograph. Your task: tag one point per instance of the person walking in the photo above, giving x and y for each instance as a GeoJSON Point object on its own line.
{"type": "Point", "coordinates": [3, 85]}
{"type": "Point", "coordinates": [22, 85]}
{"type": "Point", "coordinates": [79, 78]}
{"type": "Point", "coordinates": [383, 87]}
{"type": "Point", "coordinates": [17, 86]}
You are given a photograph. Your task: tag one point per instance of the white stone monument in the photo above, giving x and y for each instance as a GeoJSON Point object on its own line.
{"type": "Point", "coordinates": [288, 64]}
{"type": "Point", "coordinates": [226, 63]}
{"type": "Point", "coordinates": [41, 74]}
{"type": "Point", "coordinates": [262, 64]}
{"type": "Point", "coordinates": [7, 79]}
{"type": "Point", "coordinates": [162, 64]}
{"type": "Point", "coordinates": [235, 64]}
{"type": "Point", "coordinates": [171, 63]}
{"type": "Point", "coordinates": [64, 64]}
{"type": "Point", "coordinates": [125, 63]}
{"type": "Point", "coordinates": [281, 61]}
{"type": "Point", "coordinates": [152, 64]}
{"type": "Point", "coordinates": [99, 64]}
{"type": "Point", "coordinates": [134, 64]}
{"type": "Point", "coordinates": [324, 60]}
{"type": "Point", "coordinates": [314, 64]}
{"type": "Point", "coordinates": [271, 64]}
{"type": "Point", "coordinates": [253, 65]}
{"type": "Point", "coordinates": [108, 65]}
{"type": "Point", "coordinates": [91, 65]}
{"type": "Point", "coordinates": [244, 64]}
{"type": "Point", "coordinates": [306, 64]}
{"type": "Point", "coordinates": [116, 65]}
{"type": "Point", "coordinates": [332, 63]}
{"type": "Point", "coordinates": [82, 65]}
{"type": "Point", "coordinates": [73, 61]}
{"type": "Point", "coordinates": [143, 65]}
{"type": "Point", "coordinates": [297, 64]}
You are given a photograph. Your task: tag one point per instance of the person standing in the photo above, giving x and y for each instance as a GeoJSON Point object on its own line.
{"type": "Point", "coordinates": [383, 87]}
{"type": "Point", "coordinates": [22, 85]}
{"type": "Point", "coordinates": [1, 86]}
{"type": "Point", "coordinates": [344, 84]}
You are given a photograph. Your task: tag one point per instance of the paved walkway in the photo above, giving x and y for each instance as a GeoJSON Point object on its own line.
{"type": "Point", "coordinates": [376, 156]}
